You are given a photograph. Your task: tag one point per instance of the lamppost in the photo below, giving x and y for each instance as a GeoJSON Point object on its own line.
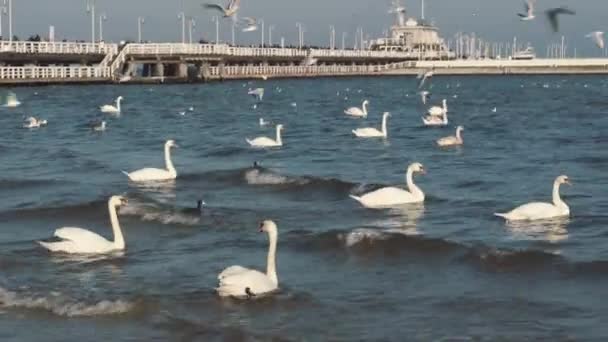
{"type": "Point", "coordinates": [299, 25]}
{"type": "Point", "coordinates": [263, 31]}
{"type": "Point", "coordinates": [103, 17]}
{"type": "Point", "coordinates": [344, 40]}
{"type": "Point", "coordinates": [270, 29]}
{"type": "Point", "coordinates": [216, 20]}
{"type": "Point", "coordinates": [10, 18]}
{"type": "Point", "coordinates": [181, 16]}
{"type": "Point", "coordinates": [191, 26]}
{"type": "Point", "coordinates": [140, 22]}
{"type": "Point", "coordinates": [90, 9]}
{"type": "Point", "coordinates": [2, 12]}
{"type": "Point", "coordinates": [332, 37]}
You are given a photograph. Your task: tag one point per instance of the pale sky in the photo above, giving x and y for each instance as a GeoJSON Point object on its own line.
{"type": "Point", "coordinates": [495, 20]}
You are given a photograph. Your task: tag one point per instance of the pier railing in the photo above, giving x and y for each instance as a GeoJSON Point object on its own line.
{"type": "Point", "coordinates": [56, 47]}
{"type": "Point", "coordinates": [53, 73]}
{"type": "Point", "coordinates": [293, 71]}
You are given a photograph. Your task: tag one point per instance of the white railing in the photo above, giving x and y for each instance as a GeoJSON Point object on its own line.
{"type": "Point", "coordinates": [506, 63]}
{"type": "Point", "coordinates": [57, 47]}
{"type": "Point", "coordinates": [52, 73]}
{"type": "Point", "coordinates": [315, 70]}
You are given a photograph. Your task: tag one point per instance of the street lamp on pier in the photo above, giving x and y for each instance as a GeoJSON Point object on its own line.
{"type": "Point", "coordinates": [140, 22]}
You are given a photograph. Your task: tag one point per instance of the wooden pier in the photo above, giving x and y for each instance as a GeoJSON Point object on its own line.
{"type": "Point", "coordinates": [45, 62]}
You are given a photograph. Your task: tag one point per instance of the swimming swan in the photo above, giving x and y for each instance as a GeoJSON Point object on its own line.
{"type": "Point", "coordinates": [33, 122]}
{"type": "Point", "coordinates": [267, 142]}
{"type": "Point", "coordinates": [355, 111]}
{"type": "Point", "coordinates": [452, 140]}
{"type": "Point", "coordinates": [438, 111]}
{"type": "Point", "coordinates": [238, 281]}
{"type": "Point", "coordinates": [370, 132]}
{"type": "Point", "coordinates": [151, 174]}
{"type": "Point", "coordinates": [540, 210]}
{"type": "Point", "coordinates": [82, 241]}
{"type": "Point", "coordinates": [431, 120]}
{"type": "Point", "coordinates": [391, 196]}
{"type": "Point", "coordinates": [110, 108]}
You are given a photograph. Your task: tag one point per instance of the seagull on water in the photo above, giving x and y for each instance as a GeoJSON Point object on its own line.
{"type": "Point", "coordinates": [529, 15]}
{"type": "Point", "coordinates": [423, 76]}
{"type": "Point", "coordinates": [228, 11]}
{"type": "Point", "coordinates": [598, 38]}
{"type": "Point", "coordinates": [553, 14]}
{"type": "Point", "coordinates": [251, 24]}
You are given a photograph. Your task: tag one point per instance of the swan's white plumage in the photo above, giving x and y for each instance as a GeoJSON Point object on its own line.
{"type": "Point", "coordinates": [114, 109]}
{"type": "Point", "coordinates": [238, 281]}
{"type": "Point", "coordinates": [81, 241]}
{"type": "Point", "coordinates": [540, 210]}
{"type": "Point", "coordinates": [431, 120]}
{"type": "Point", "coordinates": [370, 132]}
{"type": "Point", "coordinates": [438, 111]}
{"type": "Point", "coordinates": [153, 174]}
{"type": "Point", "coordinates": [359, 112]}
{"type": "Point", "coordinates": [390, 196]}
{"type": "Point", "coordinates": [268, 142]}
{"type": "Point", "coordinates": [452, 140]}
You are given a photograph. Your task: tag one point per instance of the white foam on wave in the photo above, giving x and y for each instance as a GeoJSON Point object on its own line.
{"type": "Point", "coordinates": [360, 235]}
{"type": "Point", "coordinates": [63, 306]}
{"type": "Point", "coordinates": [255, 177]}
{"type": "Point", "coordinates": [158, 215]}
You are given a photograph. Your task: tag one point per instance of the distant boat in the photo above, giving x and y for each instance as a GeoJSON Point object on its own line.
{"type": "Point", "coordinates": [526, 54]}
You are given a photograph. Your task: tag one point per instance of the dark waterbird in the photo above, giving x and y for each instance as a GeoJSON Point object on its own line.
{"type": "Point", "coordinates": [554, 13]}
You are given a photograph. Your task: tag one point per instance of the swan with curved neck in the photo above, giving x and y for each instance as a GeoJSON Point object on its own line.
{"type": "Point", "coordinates": [268, 142]}
{"type": "Point", "coordinates": [431, 120]}
{"type": "Point", "coordinates": [359, 112]}
{"type": "Point", "coordinates": [82, 241]}
{"type": "Point", "coordinates": [370, 132]}
{"type": "Point", "coordinates": [452, 140]}
{"type": "Point", "coordinates": [151, 174]}
{"type": "Point", "coordinates": [241, 282]}
{"type": "Point", "coordinates": [112, 109]}
{"type": "Point", "coordinates": [540, 210]}
{"type": "Point", "coordinates": [391, 196]}
{"type": "Point", "coordinates": [438, 111]}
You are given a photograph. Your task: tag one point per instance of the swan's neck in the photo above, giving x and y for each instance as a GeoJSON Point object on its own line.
{"type": "Point", "coordinates": [413, 188]}
{"type": "Point", "coordinates": [271, 266]}
{"type": "Point", "coordinates": [168, 161]}
{"type": "Point", "coordinates": [118, 104]}
{"type": "Point", "coordinates": [445, 117]}
{"type": "Point", "coordinates": [458, 136]}
{"type": "Point", "coordinates": [279, 141]}
{"type": "Point", "coordinates": [445, 106]}
{"type": "Point", "coordinates": [119, 240]}
{"type": "Point", "coordinates": [365, 108]}
{"type": "Point", "coordinates": [384, 122]}
{"type": "Point", "coordinates": [557, 200]}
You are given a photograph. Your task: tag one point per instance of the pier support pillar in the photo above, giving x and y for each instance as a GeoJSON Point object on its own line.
{"type": "Point", "coordinates": [159, 70]}
{"type": "Point", "coordinates": [130, 68]}
{"type": "Point", "coordinates": [182, 70]}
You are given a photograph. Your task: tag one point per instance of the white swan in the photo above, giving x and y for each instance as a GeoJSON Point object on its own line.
{"type": "Point", "coordinates": [452, 140]}
{"type": "Point", "coordinates": [370, 132]}
{"type": "Point", "coordinates": [391, 196]}
{"type": "Point", "coordinates": [82, 241]}
{"type": "Point", "coordinates": [355, 111]}
{"type": "Point", "coordinates": [99, 127]}
{"type": "Point", "coordinates": [111, 108]}
{"type": "Point", "coordinates": [151, 174]}
{"type": "Point", "coordinates": [32, 122]}
{"type": "Point", "coordinates": [238, 281]}
{"type": "Point", "coordinates": [263, 122]}
{"type": "Point", "coordinates": [431, 120]}
{"type": "Point", "coordinates": [267, 142]}
{"type": "Point", "coordinates": [540, 210]}
{"type": "Point", "coordinates": [438, 111]}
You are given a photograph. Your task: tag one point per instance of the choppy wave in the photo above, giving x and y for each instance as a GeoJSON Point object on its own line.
{"type": "Point", "coordinates": [63, 306]}
{"type": "Point", "coordinates": [152, 212]}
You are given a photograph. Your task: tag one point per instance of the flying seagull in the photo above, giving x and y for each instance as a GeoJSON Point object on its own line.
{"type": "Point", "coordinates": [553, 13]}
{"type": "Point", "coordinates": [228, 11]}
{"type": "Point", "coordinates": [423, 76]}
{"type": "Point", "coordinates": [598, 38]}
{"type": "Point", "coordinates": [251, 24]}
{"type": "Point", "coordinates": [424, 95]}
{"type": "Point", "coordinates": [258, 93]}
{"type": "Point", "coordinates": [529, 15]}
